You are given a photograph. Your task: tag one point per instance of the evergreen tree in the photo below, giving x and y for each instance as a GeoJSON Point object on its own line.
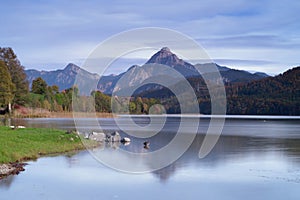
{"type": "Point", "coordinates": [39, 86]}
{"type": "Point", "coordinates": [6, 86]}
{"type": "Point", "coordinates": [18, 76]}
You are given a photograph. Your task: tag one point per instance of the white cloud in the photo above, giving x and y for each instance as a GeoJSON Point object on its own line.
{"type": "Point", "coordinates": [60, 31]}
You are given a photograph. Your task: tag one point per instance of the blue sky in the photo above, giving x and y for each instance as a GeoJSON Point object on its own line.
{"type": "Point", "coordinates": [255, 35]}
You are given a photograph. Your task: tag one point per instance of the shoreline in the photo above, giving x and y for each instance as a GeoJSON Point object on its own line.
{"type": "Point", "coordinates": [21, 145]}
{"type": "Point", "coordinates": [44, 114]}
{"type": "Point", "coordinates": [15, 168]}
{"type": "Point", "coordinates": [11, 169]}
{"type": "Point", "coordinates": [81, 114]}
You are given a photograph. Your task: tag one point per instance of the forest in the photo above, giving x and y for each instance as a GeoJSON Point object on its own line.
{"type": "Point", "coordinates": [279, 95]}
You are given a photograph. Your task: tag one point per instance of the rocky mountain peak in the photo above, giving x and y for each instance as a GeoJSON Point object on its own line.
{"type": "Point", "coordinates": [165, 57]}
{"type": "Point", "coordinates": [166, 49]}
{"type": "Point", "coordinates": [72, 67]}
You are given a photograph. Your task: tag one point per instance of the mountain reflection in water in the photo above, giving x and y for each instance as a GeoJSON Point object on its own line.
{"type": "Point", "coordinates": [253, 159]}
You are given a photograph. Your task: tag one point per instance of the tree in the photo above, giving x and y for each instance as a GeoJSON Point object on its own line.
{"type": "Point", "coordinates": [132, 107]}
{"type": "Point", "coordinates": [102, 102]}
{"type": "Point", "coordinates": [39, 86]}
{"type": "Point", "coordinates": [6, 86]}
{"type": "Point", "coordinates": [54, 89]}
{"type": "Point", "coordinates": [46, 105]}
{"type": "Point", "coordinates": [17, 73]}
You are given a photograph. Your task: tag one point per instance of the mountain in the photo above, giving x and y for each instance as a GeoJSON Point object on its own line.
{"type": "Point", "coordinates": [261, 74]}
{"type": "Point", "coordinates": [241, 76]}
{"type": "Point", "coordinates": [247, 93]}
{"type": "Point", "coordinates": [166, 57]}
{"type": "Point", "coordinates": [107, 84]}
{"type": "Point", "coordinates": [155, 67]}
{"type": "Point", "coordinates": [136, 75]}
{"type": "Point", "coordinates": [64, 78]}
{"type": "Point", "coordinates": [231, 75]}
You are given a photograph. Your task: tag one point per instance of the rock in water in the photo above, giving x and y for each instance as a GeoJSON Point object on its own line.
{"type": "Point", "coordinates": [125, 139]}
{"type": "Point", "coordinates": [99, 137]}
{"type": "Point", "coordinates": [115, 137]}
{"type": "Point", "coordinates": [11, 169]}
{"type": "Point", "coordinates": [146, 145]}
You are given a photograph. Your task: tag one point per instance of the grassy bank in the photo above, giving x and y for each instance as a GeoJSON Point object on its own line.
{"type": "Point", "coordinates": [31, 143]}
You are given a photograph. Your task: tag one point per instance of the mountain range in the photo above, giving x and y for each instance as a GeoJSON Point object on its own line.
{"type": "Point", "coordinates": [135, 75]}
{"type": "Point", "coordinates": [246, 93]}
{"type": "Point", "coordinates": [63, 78]}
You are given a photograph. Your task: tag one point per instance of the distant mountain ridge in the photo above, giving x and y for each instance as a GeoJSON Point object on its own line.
{"type": "Point", "coordinates": [65, 78]}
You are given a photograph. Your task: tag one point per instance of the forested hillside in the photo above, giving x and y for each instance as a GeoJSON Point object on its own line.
{"type": "Point", "coordinates": [279, 95]}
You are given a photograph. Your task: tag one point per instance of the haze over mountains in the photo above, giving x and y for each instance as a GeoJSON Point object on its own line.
{"type": "Point", "coordinates": [65, 78]}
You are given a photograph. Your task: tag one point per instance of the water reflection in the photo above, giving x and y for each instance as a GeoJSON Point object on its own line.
{"type": "Point", "coordinates": [7, 182]}
{"type": "Point", "coordinates": [229, 149]}
{"type": "Point", "coordinates": [235, 149]}
{"type": "Point", "coordinates": [239, 167]}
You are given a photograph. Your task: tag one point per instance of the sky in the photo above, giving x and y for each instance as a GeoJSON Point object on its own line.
{"type": "Point", "coordinates": [256, 35]}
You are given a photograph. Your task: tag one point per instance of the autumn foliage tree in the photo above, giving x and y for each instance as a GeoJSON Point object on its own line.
{"type": "Point", "coordinates": [17, 74]}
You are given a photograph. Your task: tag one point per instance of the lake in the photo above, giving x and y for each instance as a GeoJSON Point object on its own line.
{"type": "Point", "coordinates": [255, 158]}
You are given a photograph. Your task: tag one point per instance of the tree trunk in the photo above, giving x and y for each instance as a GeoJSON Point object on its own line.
{"type": "Point", "coordinates": [9, 108]}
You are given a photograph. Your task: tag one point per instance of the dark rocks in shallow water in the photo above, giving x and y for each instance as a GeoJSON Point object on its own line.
{"type": "Point", "coordinates": [146, 145]}
{"type": "Point", "coordinates": [125, 139]}
{"type": "Point", "coordinates": [115, 137]}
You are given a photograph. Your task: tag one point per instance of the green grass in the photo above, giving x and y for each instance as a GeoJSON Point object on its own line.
{"type": "Point", "coordinates": [30, 143]}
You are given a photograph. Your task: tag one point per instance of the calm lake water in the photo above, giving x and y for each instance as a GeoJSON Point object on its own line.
{"type": "Point", "coordinates": [253, 159]}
